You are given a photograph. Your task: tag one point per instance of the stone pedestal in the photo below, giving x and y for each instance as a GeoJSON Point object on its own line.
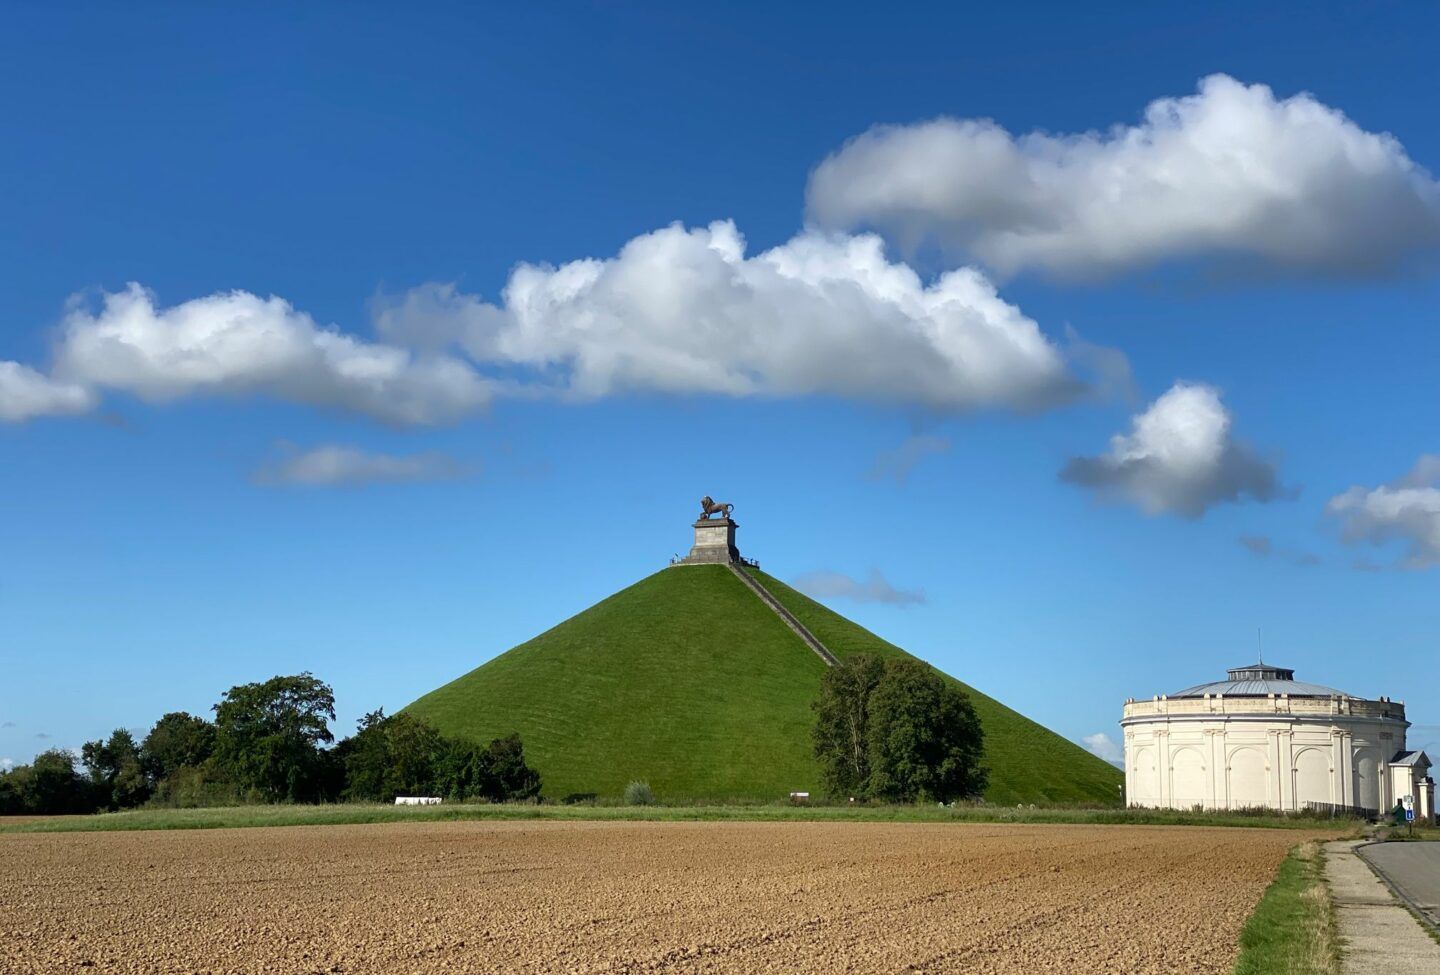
{"type": "Point", "coordinates": [714, 543]}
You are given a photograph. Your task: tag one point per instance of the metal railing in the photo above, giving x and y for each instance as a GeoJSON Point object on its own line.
{"type": "Point", "coordinates": [1336, 810]}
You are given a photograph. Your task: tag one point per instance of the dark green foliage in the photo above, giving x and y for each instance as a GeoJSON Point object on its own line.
{"type": "Point", "coordinates": [842, 724]}
{"type": "Point", "coordinates": [194, 787]}
{"type": "Point", "coordinates": [897, 730]}
{"type": "Point", "coordinates": [47, 786]}
{"type": "Point", "coordinates": [268, 737]}
{"type": "Point", "coordinates": [115, 770]}
{"type": "Point", "coordinates": [925, 741]}
{"type": "Point", "coordinates": [389, 757]}
{"type": "Point", "coordinates": [266, 745]}
{"type": "Point", "coordinates": [511, 780]}
{"type": "Point", "coordinates": [178, 740]}
{"type": "Point", "coordinates": [494, 773]}
{"type": "Point", "coordinates": [461, 769]}
{"type": "Point", "coordinates": [403, 755]}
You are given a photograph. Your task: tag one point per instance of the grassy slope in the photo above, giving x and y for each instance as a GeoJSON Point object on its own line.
{"type": "Point", "coordinates": [710, 703]}
{"type": "Point", "coordinates": [683, 680]}
{"type": "Point", "coordinates": [1028, 762]}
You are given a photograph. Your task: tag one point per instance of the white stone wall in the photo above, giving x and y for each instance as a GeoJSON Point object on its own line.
{"type": "Point", "coordinates": [1234, 760]}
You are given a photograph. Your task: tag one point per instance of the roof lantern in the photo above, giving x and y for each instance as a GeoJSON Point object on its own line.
{"type": "Point", "coordinates": [1260, 680]}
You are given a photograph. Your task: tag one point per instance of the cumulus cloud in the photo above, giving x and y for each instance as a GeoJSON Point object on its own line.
{"type": "Point", "coordinates": [873, 589]}
{"type": "Point", "coordinates": [239, 343]}
{"type": "Point", "coordinates": [25, 394]}
{"type": "Point", "coordinates": [676, 311]}
{"type": "Point", "coordinates": [1406, 510]}
{"type": "Point", "coordinates": [687, 311]}
{"type": "Point", "coordinates": [1231, 172]}
{"type": "Point", "coordinates": [1178, 457]}
{"type": "Point", "coordinates": [334, 464]}
{"type": "Point", "coordinates": [899, 462]}
{"type": "Point", "coordinates": [6, 764]}
{"type": "Point", "coordinates": [1103, 746]}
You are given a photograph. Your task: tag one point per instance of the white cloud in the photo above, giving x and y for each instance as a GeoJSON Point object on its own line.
{"type": "Point", "coordinates": [6, 764]}
{"type": "Point", "coordinates": [686, 311]}
{"type": "Point", "coordinates": [1103, 746]}
{"type": "Point", "coordinates": [680, 311]}
{"type": "Point", "coordinates": [873, 589]}
{"type": "Point", "coordinates": [237, 343]}
{"type": "Point", "coordinates": [1231, 172]}
{"type": "Point", "coordinates": [333, 464]}
{"type": "Point", "coordinates": [899, 462]}
{"type": "Point", "coordinates": [25, 393]}
{"type": "Point", "coordinates": [1178, 457]}
{"type": "Point", "coordinates": [1406, 510]}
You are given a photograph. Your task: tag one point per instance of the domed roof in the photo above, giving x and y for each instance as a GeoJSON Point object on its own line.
{"type": "Point", "coordinates": [1258, 680]}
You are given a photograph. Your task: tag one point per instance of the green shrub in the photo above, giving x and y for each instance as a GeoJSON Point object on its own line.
{"type": "Point", "coordinates": [195, 787]}
{"type": "Point", "coordinates": [639, 794]}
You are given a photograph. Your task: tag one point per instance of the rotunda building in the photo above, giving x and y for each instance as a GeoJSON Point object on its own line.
{"type": "Point", "coordinates": [1263, 739]}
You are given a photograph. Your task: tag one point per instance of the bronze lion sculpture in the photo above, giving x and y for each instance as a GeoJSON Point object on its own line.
{"type": "Point", "coordinates": [709, 506]}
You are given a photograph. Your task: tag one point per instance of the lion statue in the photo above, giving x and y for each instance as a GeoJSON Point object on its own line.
{"type": "Point", "coordinates": [709, 506]}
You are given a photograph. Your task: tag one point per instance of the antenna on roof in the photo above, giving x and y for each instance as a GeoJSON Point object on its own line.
{"type": "Point", "coordinates": [1259, 646]}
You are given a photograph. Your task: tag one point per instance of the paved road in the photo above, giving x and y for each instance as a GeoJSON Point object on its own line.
{"type": "Point", "coordinates": [1379, 934]}
{"type": "Point", "coordinates": [1414, 868]}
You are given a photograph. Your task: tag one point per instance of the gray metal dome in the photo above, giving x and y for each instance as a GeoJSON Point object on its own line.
{"type": "Point", "coordinates": [1259, 680]}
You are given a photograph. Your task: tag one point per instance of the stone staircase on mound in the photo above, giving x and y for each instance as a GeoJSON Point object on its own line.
{"type": "Point", "coordinates": [808, 638]}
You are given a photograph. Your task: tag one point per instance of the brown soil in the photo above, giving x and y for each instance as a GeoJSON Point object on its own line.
{"type": "Point", "coordinates": [634, 897]}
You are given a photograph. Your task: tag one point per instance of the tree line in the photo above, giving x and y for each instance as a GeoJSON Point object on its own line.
{"type": "Point", "coordinates": [887, 730]}
{"type": "Point", "coordinates": [268, 742]}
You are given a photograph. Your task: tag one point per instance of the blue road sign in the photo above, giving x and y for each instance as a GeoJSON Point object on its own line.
{"type": "Point", "coordinates": [1409, 815]}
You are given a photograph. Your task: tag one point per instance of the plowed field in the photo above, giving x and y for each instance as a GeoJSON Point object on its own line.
{"type": "Point", "coordinates": [634, 897]}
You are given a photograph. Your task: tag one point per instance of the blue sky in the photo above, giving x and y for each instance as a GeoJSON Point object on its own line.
{"type": "Point", "coordinates": [321, 434]}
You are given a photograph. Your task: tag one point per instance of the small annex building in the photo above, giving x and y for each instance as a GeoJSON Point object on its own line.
{"type": "Point", "coordinates": [1260, 738]}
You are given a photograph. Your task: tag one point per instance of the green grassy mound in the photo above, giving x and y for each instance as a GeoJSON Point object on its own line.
{"type": "Point", "coordinates": [688, 681]}
{"type": "Point", "coordinates": [1028, 762]}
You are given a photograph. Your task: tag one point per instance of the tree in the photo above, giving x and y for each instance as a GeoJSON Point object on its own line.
{"type": "Point", "coordinates": [462, 770]}
{"type": "Point", "coordinates": [494, 773]}
{"type": "Point", "coordinates": [390, 756]}
{"type": "Point", "coordinates": [925, 739]}
{"type": "Point", "coordinates": [511, 779]}
{"type": "Point", "coordinates": [842, 723]}
{"type": "Point", "coordinates": [115, 771]}
{"type": "Point", "coordinates": [268, 736]}
{"type": "Point", "coordinates": [178, 740]}
{"type": "Point", "coordinates": [897, 730]}
{"type": "Point", "coordinates": [47, 786]}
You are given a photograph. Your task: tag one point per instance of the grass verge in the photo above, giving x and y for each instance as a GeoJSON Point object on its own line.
{"type": "Point", "coordinates": [1413, 834]}
{"type": "Point", "coordinates": [230, 817]}
{"type": "Point", "coordinates": [1293, 931]}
